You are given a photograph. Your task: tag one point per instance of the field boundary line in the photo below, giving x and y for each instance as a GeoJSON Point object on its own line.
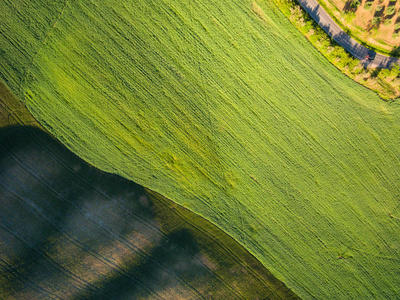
{"type": "Point", "coordinates": [226, 248]}
{"type": "Point", "coordinates": [116, 236]}
{"type": "Point", "coordinates": [190, 222]}
{"type": "Point", "coordinates": [371, 58]}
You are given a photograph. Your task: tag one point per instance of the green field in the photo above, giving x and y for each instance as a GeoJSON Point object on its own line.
{"type": "Point", "coordinates": [223, 107]}
{"type": "Point", "coordinates": [68, 230]}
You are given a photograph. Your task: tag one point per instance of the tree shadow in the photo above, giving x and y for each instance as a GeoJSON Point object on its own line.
{"type": "Point", "coordinates": [172, 265]}
{"type": "Point", "coordinates": [68, 230]}
{"type": "Point", "coordinates": [48, 194]}
{"type": "Point", "coordinates": [397, 22]}
{"type": "Point", "coordinates": [395, 52]}
{"type": "Point", "coordinates": [377, 18]}
{"type": "Point", "coordinates": [390, 10]}
{"type": "Point", "coordinates": [352, 6]}
{"type": "Point", "coordinates": [379, 12]}
{"type": "Point", "coordinates": [357, 50]}
{"type": "Point", "coordinates": [375, 72]}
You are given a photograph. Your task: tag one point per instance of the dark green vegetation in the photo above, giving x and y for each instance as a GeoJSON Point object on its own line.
{"type": "Point", "coordinates": [12, 111]}
{"type": "Point", "coordinates": [223, 107]}
{"type": "Point", "coordinates": [69, 231]}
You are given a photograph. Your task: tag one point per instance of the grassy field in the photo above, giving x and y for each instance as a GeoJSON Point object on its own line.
{"type": "Point", "coordinates": [69, 230]}
{"type": "Point", "coordinates": [226, 109]}
{"type": "Point", "coordinates": [12, 111]}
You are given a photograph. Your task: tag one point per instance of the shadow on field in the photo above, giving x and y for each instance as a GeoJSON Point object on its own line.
{"type": "Point", "coordinates": [68, 230]}
{"type": "Point", "coordinates": [169, 266]}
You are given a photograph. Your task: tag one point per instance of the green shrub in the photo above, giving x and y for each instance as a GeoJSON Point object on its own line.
{"type": "Point", "coordinates": [376, 20]}
{"type": "Point", "coordinates": [387, 22]}
{"type": "Point", "coordinates": [395, 70]}
{"type": "Point", "coordinates": [390, 10]}
{"type": "Point", "coordinates": [397, 26]}
{"type": "Point", "coordinates": [355, 4]}
{"type": "Point", "coordinates": [368, 6]}
{"type": "Point", "coordinates": [379, 8]}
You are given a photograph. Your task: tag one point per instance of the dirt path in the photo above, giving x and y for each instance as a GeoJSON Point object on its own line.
{"type": "Point", "coordinates": [356, 49]}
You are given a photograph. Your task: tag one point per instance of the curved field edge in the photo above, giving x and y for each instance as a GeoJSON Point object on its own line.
{"type": "Point", "coordinates": [293, 159]}
{"type": "Point", "coordinates": [386, 83]}
{"type": "Point", "coordinates": [348, 15]}
{"type": "Point", "coordinates": [123, 222]}
{"type": "Point", "coordinates": [220, 244]}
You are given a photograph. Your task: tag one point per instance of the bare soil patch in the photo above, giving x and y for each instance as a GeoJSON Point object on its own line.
{"type": "Point", "coordinates": [373, 22]}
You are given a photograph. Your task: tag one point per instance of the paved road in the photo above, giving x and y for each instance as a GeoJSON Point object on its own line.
{"type": "Point", "coordinates": [356, 49]}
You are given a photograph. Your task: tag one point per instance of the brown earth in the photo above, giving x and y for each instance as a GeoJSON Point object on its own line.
{"type": "Point", "coordinates": [382, 36]}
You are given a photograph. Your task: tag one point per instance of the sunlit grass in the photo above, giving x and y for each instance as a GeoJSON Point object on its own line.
{"type": "Point", "coordinates": [226, 109]}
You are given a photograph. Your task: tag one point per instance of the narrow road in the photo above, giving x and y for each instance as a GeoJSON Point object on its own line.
{"type": "Point", "coordinates": [342, 38]}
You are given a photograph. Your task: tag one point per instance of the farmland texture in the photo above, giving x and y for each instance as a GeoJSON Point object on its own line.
{"type": "Point", "coordinates": [224, 108]}
{"type": "Point", "coordinates": [68, 230]}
